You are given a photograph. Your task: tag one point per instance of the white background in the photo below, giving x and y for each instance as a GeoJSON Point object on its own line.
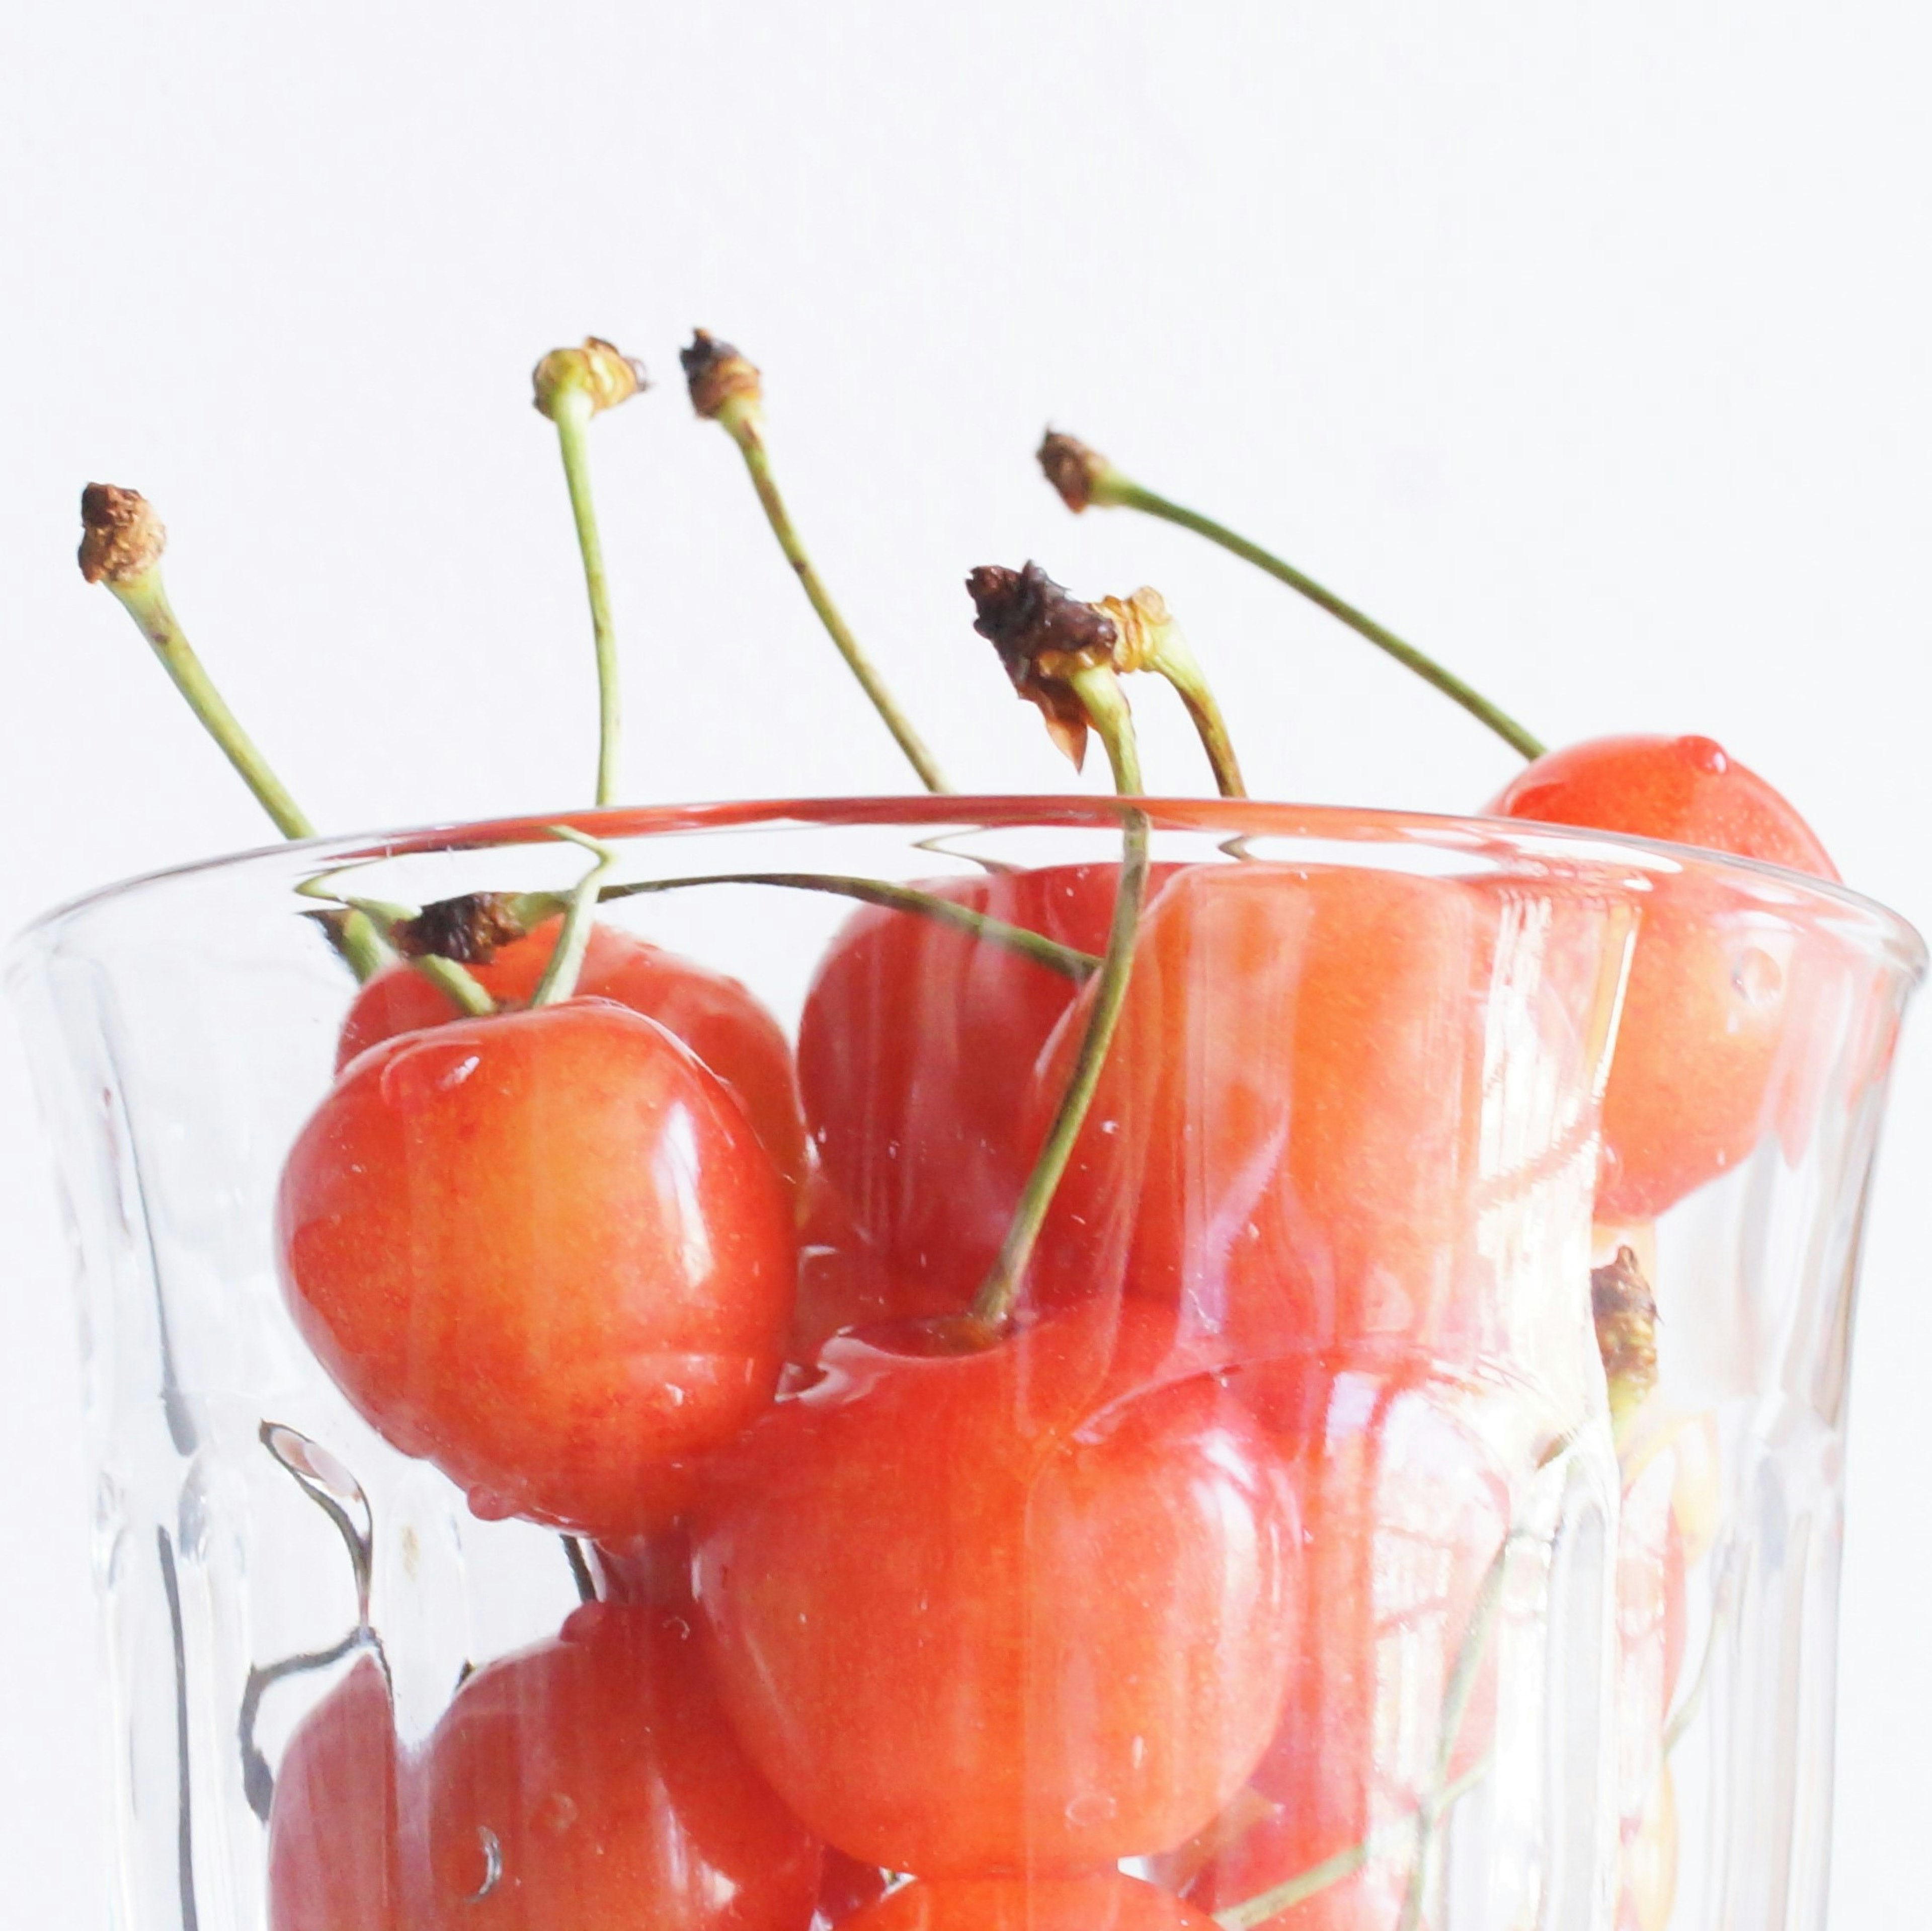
{"type": "Point", "coordinates": [1588, 345]}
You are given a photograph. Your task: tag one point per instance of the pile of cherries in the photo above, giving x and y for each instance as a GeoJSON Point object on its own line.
{"type": "Point", "coordinates": [888, 1592]}
{"type": "Point", "coordinates": [1027, 1429]}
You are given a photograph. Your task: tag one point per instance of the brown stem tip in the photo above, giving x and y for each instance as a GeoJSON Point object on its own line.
{"type": "Point", "coordinates": [597, 369]}
{"type": "Point", "coordinates": [716, 373]}
{"type": "Point", "coordinates": [468, 930]}
{"type": "Point", "coordinates": [1042, 634]}
{"type": "Point", "coordinates": [1078, 473]}
{"type": "Point", "coordinates": [121, 537]}
{"type": "Point", "coordinates": [1625, 1312]}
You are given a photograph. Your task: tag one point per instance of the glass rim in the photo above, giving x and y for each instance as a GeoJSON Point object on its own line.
{"type": "Point", "coordinates": [1368, 825]}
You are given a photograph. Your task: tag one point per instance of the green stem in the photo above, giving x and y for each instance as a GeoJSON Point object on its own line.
{"type": "Point", "coordinates": [1175, 661]}
{"type": "Point", "coordinates": [571, 411]}
{"type": "Point", "coordinates": [740, 419]}
{"type": "Point", "coordinates": [370, 920]}
{"type": "Point", "coordinates": [1116, 489]}
{"type": "Point", "coordinates": [1331, 1871]}
{"type": "Point", "coordinates": [566, 959]}
{"type": "Point", "coordinates": [145, 597]}
{"type": "Point", "coordinates": [145, 600]}
{"type": "Point", "coordinates": [458, 982]}
{"type": "Point", "coordinates": [1099, 690]}
{"type": "Point", "coordinates": [1065, 960]}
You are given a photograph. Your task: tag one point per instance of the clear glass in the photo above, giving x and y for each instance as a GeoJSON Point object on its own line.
{"type": "Point", "coordinates": [1310, 1538]}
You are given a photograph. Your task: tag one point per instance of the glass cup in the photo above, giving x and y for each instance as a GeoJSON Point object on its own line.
{"type": "Point", "coordinates": [669, 1456]}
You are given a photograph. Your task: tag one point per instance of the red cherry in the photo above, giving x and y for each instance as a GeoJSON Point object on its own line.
{"type": "Point", "coordinates": [1026, 1607]}
{"type": "Point", "coordinates": [1712, 988]}
{"type": "Point", "coordinates": [915, 1052]}
{"type": "Point", "coordinates": [592, 1782]}
{"type": "Point", "coordinates": [714, 1015]}
{"type": "Point", "coordinates": [1104, 1901]}
{"type": "Point", "coordinates": [334, 1861]}
{"type": "Point", "coordinates": [1287, 1141]}
{"type": "Point", "coordinates": [1688, 790]}
{"type": "Point", "coordinates": [545, 1251]}
{"type": "Point", "coordinates": [1403, 1508]}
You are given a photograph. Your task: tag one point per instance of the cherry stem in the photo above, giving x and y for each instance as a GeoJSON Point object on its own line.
{"type": "Point", "coordinates": [572, 410]}
{"type": "Point", "coordinates": [566, 959]}
{"type": "Point", "coordinates": [1067, 960]}
{"type": "Point", "coordinates": [1331, 1871]}
{"type": "Point", "coordinates": [1099, 689]}
{"type": "Point", "coordinates": [377, 917]}
{"type": "Point", "coordinates": [1110, 487]}
{"type": "Point", "coordinates": [742, 419]}
{"type": "Point", "coordinates": [1175, 660]}
{"type": "Point", "coordinates": [145, 597]}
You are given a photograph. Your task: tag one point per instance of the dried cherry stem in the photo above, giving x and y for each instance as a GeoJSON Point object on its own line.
{"type": "Point", "coordinates": [726, 389]}
{"type": "Point", "coordinates": [1099, 689]}
{"type": "Point", "coordinates": [1624, 1312]}
{"type": "Point", "coordinates": [1083, 477]}
{"type": "Point", "coordinates": [566, 959]}
{"type": "Point", "coordinates": [571, 386]}
{"type": "Point", "coordinates": [121, 545]}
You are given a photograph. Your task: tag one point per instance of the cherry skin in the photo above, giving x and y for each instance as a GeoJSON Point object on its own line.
{"type": "Point", "coordinates": [915, 1050]}
{"type": "Point", "coordinates": [1028, 1608]}
{"type": "Point", "coordinates": [545, 1251]}
{"type": "Point", "coordinates": [1103, 1901]}
{"type": "Point", "coordinates": [1286, 1138]}
{"type": "Point", "coordinates": [333, 1859]}
{"type": "Point", "coordinates": [591, 1781]}
{"type": "Point", "coordinates": [715, 1016]}
{"type": "Point", "coordinates": [1711, 995]}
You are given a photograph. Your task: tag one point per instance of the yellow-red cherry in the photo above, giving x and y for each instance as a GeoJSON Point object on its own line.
{"type": "Point", "coordinates": [1029, 1607]}
{"type": "Point", "coordinates": [1285, 1140]}
{"type": "Point", "coordinates": [1713, 987]}
{"type": "Point", "coordinates": [1405, 1505]}
{"type": "Point", "coordinates": [592, 1782]}
{"type": "Point", "coordinates": [334, 1862]}
{"type": "Point", "coordinates": [915, 1050]}
{"type": "Point", "coordinates": [546, 1251]}
{"type": "Point", "coordinates": [716, 1016]}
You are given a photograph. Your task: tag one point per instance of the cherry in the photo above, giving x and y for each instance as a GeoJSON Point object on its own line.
{"type": "Point", "coordinates": [1711, 990]}
{"type": "Point", "coordinates": [1102, 1901]}
{"type": "Point", "coordinates": [591, 1781]}
{"type": "Point", "coordinates": [915, 1051]}
{"type": "Point", "coordinates": [1403, 1510]}
{"type": "Point", "coordinates": [1028, 1607]}
{"type": "Point", "coordinates": [545, 1250]}
{"type": "Point", "coordinates": [1287, 1141]}
{"type": "Point", "coordinates": [715, 1016]}
{"type": "Point", "coordinates": [333, 1859]}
